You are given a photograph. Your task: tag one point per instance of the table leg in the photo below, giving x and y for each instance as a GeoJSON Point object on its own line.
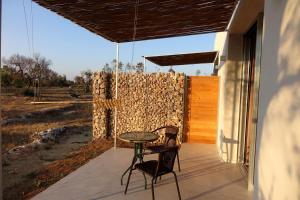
{"type": "Point", "coordinates": [129, 168]}
{"type": "Point", "coordinates": [129, 175]}
{"type": "Point", "coordinates": [138, 150]}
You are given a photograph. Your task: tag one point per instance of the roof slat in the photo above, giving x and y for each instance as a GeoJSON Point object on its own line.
{"type": "Point", "coordinates": [113, 19]}
{"type": "Point", "coordinates": [184, 59]}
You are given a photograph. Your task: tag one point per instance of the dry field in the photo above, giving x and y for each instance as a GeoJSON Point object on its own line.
{"type": "Point", "coordinates": [30, 172]}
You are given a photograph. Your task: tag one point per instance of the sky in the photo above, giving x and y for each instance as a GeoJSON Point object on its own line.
{"type": "Point", "coordinates": [73, 49]}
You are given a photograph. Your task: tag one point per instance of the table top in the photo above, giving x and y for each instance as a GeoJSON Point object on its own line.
{"type": "Point", "coordinates": [138, 136]}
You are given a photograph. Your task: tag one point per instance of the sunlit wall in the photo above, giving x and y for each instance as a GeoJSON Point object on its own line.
{"type": "Point", "coordinates": [277, 171]}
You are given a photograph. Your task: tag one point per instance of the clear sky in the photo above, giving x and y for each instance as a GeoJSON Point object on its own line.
{"type": "Point", "coordinates": [72, 48]}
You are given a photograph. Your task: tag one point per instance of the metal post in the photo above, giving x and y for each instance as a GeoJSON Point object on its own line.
{"type": "Point", "coordinates": [0, 87]}
{"type": "Point", "coordinates": [117, 71]}
{"type": "Point", "coordinates": [144, 64]}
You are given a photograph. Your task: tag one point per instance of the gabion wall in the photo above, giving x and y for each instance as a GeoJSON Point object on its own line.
{"type": "Point", "coordinates": [147, 101]}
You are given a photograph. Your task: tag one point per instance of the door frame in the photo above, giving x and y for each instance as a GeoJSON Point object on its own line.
{"type": "Point", "coordinates": [243, 101]}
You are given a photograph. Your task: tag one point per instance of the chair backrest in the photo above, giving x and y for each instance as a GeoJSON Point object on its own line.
{"type": "Point", "coordinates": [169, 135]}
{"type": "Point", "coordinates": [167, 159]}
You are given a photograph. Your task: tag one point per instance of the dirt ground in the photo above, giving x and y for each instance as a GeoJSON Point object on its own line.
{"type": "Point", "coordinates": [31, 172]}
{"type": "Point", "coordinates": [43, 116]}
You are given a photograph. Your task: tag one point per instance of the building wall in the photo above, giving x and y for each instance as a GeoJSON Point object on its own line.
{"type": "Point", "coordinates": [277, 155]}
{"type": "Point", "coordinates": [230, 47]}
{"type": "Point", "coordinates": [277, 163]}
{"type": "Point", "coordinates": [147, 101]}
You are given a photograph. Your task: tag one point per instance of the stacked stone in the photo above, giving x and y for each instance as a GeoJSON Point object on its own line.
{"type": "Point", "coordinates": [99, 115]}
{"type": "Point", "coordinates": [148, 101]}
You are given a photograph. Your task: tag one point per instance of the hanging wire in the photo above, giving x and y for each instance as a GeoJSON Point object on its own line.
{"type": "Point", "coordinates": [136, 12]}
{"type": "Point", "coordinates": [25, 15]}
{"type": "Point", "coordinates": [32, 41]}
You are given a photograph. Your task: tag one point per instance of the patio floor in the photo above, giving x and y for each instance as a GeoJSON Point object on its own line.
{"type": "Point", "coordinates": [202, 176]}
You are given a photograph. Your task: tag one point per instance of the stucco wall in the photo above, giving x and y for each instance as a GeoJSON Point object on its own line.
{"type": "Point", "coordinates": [229, 46]}
{"type": "Point", "coordinates": [277, 170]}
{"type": "Point", "coordinates": [148, 101]}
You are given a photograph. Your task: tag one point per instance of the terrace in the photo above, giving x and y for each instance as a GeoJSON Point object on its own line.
{"type": "Point", "coordinates": [256, 90]}
{"type": "Point", "coordinates": [203, 176]}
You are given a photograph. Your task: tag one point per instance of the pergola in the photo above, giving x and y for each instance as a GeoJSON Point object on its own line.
{"type": "Point", "coordinates": [135, 20]}
{"type": "Point", "coordinates": [184, 59]}
{"type": "Point", "coordinates": [114, 19]}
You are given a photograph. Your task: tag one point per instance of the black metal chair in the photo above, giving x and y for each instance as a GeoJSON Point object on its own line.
{"type": "Point", "coordinates": [168, 139]}
{"type": "Point", "coordinates": [155, 168]}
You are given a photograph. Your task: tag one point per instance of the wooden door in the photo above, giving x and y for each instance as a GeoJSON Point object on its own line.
{"type": "Point", "coordinates": [251, 40]}
{"type": "Point", "coordinates": [201, 107]}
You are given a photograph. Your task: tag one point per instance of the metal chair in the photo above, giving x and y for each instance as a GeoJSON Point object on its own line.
{"type": "Point", "coordinates": [169, 139]}
{"type": "Point", "coordinates": [155, 168]}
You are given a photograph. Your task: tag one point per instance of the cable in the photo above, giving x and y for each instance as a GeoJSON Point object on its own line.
{"type": "Point", "coordinates": [32, 41]}
{"type": "Point", "coordinates": [136, 10]}
{"type": "Point", "coordinates": [28, 40]}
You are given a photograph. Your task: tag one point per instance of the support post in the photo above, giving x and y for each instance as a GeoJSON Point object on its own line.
{"type": "Point", "coordinates": [0, 87]}
{"type": "Point", "coordinates": [116, 96]}
{"type": "Point", "coordinates": [144, 64]}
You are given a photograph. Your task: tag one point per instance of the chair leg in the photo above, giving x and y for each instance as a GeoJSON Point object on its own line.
{"type": "Point", "coordinates": [124, 174]}
{"type": "Point", "coordinates": [178, 162]}
{"type": "Point", "coordinates": [145, 180]}
{"type": "Point", "coordinates": [156, 179]}
{"type": "Point", "coordinates": [177, 185]}
{"type": "Point", "coordinates": [152, 187]}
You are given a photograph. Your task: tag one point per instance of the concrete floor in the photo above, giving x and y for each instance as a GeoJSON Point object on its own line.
{"type": "Point", "coordinates": [202, 176]}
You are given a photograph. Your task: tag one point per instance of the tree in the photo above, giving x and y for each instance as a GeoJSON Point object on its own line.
{"type": "Point", "coordinates": [171, 70]}
{"type": "Point", "coordinates": [87, 80]}
{"type": "Point", "coordinates": [18, 67]}
{"type": "Point", "coordinates": [79, 80]}
{"type": "Point", "coordinates": [198, 72]}
{"type": "Point", "coordinates": [22, 71]}
{"type": "Point", "coordinates": [41, 69]}
{"type": "Point", "coordinates": [6, 78]}
{"type": "Point", "coordinates": [21, 64]}
{"type": "Point", "coordinates": [129, 67]}
{"type": "Point", "coordinates": [107, 68]}
{"type": "Point", "coordinates": [114, 63]}
{"type": "Point", "coordinates": [139, 68]}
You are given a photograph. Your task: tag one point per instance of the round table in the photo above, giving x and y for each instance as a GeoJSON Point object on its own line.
{"type": "Point", "coordinates": [138, 138]}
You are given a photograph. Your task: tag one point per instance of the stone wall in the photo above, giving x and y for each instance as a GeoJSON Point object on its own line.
{"type": "Point", "coordinates": [147, 101]}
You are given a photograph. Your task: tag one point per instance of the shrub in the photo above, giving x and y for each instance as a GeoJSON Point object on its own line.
{"type": "Point", "coordinates": [28, 92]}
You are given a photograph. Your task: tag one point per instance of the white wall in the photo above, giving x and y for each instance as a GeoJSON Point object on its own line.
{"type": "Point", "coordinates": [230, 46]}
{"type": "Point", "coordinates": [277, 170]}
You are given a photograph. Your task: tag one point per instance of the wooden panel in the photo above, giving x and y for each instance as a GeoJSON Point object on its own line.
{"type": "Point", "coordinates": [202, 108]}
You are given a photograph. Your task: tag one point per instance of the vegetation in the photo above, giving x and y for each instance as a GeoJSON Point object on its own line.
{"type": "Point", "coordinates": [138, 68]}
{"type": "Point", "coordinates": [21, 71]}
{"type": "Point", "coordinates": [25, 72]}
{"type": "Point", "coordinates": [85, 80]}
{"type": "Point", "coordinates": [29, 172]}
{"type": "Point", "coordinates": [198, 72]}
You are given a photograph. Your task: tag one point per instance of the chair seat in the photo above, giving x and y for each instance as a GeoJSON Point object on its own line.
{"type": "Point", "coordinates": [156, 148]}
{"type": "Point", "coordinates": [149, 167]}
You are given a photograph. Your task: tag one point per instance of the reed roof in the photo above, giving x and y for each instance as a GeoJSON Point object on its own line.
{"type": "Point", "coordinates": [114, 19]}
{"type": "Point", "coordinates": [184, 59]}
